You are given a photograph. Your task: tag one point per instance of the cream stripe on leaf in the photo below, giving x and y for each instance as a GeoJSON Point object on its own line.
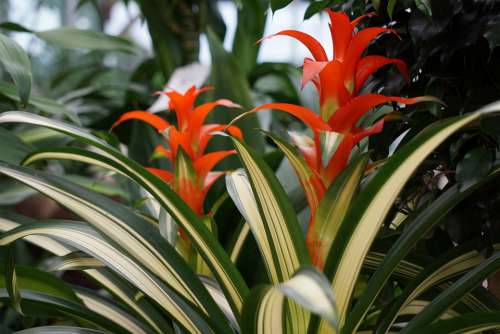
{"type": "Point", "coordinates": [281, 225]}
{"type": "Point", "coordinates": [419, 225]}
{"type": "Point", "coordinates": [366, 215]}
{"type": "Point", "coordinates": [118, 287]}
{"type": "Point", "coordinates": [265, 309]}
{"type": "Point", "coordinates": [127, 230]}
{"type": "Point", "coordinates": [213, 253]}
{"type": "Point", "coordinates": [81, 236]}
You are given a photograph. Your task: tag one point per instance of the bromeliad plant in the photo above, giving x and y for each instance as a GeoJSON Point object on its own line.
{"type": "Point", "coordinates": [191, 176]}
{"type": "Point", "coordinates": [337, 130]}
{"type": "Point", "coordinates": [154, 290]}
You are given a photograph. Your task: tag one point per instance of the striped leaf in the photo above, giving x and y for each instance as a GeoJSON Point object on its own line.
{"type": "Point", "coordinates": [17, 64]}
{"type": "Point", "coordinates": [282, 230]}
{"type": "Point", "coordinates": [366, 215]}
{"type": "Point", "coordinates": [212, 252]}
{"type": "Point", "coordinates": [419, 225]}
{"type": "Point", "coordinates": [10, 279]}
{"type": "Point", "coordinates": [335, 203]}
{"type": "Point", "coordinates": [73, 261]}
{"type": "Point", "coordinates": [477, 322]}
{"type": "Point", "coordinates": [453, 294]}
{"type": "Point", "coordinates": [60, 330]}
{"type": "Point", "coordinates": [457, 261]}
{"type": "Point", "coordinates": [39, 304]}
{"type": "Point", "coordinates": [116, 286]}
{"type": "Point", "coordinates": [84, 238]}
{"type": "Point", "coordinates": [265, 309]}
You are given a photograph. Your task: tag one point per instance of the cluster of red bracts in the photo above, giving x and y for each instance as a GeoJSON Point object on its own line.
{"type": "Point", "coordinates": [191, 176]}
{"type": "Point", "coordinates": [338, 81]}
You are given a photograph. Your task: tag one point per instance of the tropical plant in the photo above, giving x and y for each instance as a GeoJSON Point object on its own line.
{"type": "Point", "coordinates": [372, 280]}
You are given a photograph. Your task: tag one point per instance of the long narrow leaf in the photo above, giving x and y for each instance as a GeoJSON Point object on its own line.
{"type": "Point", "coordinates": [16, 62]}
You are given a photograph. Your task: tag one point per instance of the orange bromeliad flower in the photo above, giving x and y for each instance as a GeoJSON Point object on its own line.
{"type": "Point", "coordinates": [191, 175]}
{"type": "Point", "coordinates": [338, 82]}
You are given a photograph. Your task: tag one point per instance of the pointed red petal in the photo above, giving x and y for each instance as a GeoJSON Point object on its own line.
{"type": "Point", "coordinates": [307, 148]}
{"type": "Point", "coordinates": [356, 21]}
{"type": "Point", "coordinates": [341, 30]}
{"type": "Point", "coordinates": [206, 130]}
{"type": "Point", "coordinates": [157, 122]}
{"type": "Point", "coordinates": [309, 42]}
{"type": "Point", "coordinates": [370, 64]}
{"type": "Point", "coordinates": [359, 43]}
{"type": "Point", "coordinates": [207, 162]}
{"type": "Point", "coordinates": [361, 133]}
{"type": "Point", "coordinates": [333, 92]}
{"type": "Point", "coordinates": [346, 117]}
{"type": "Point", "coordinates": [309, 117]}
{"type": "Point", "coordinates": [200, 113]}
{"type": "Point", "coordinates": [165, 175]}
{"type": "Point", "coordinates": [311, 70]}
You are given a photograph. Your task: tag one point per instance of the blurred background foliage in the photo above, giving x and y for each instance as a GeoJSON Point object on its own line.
{"type": "Point", "coordinates": [90, 77]}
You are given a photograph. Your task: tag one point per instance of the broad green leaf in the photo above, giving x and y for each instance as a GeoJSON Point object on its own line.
{"type": "Point", "coordinates": [43, 103]}
{"type": "Point", "coordinates": [424, 6]}
{"type": "Point", "coordinates": [453, 294]}
{"type": "Point", "coordinates": [475, 165]}
{"type": "Point", "coordinates": [231, 83]}
{"type": "Point", "coordinates": [264, 311]}
{"type": "Point", "coordinates": [208, 247]}
{"type": "Point", "coordinates": [17, 64]}
{"type": "Point", "coordinates": [417, 228]}
{"type": "Point", "coordinates": [457, 261]}
{"type": "Point", "coordinates": [69, 37]}
{"type": "Point", "coordinates": [40, 304]}
{"type": "Point", "coordinates": [128, 231]}
{"type": "Point", "coordinates": [476, 322]}
{"type": "Point", "coordinates": [13, 149]}
{"type": "Point", "coordinates": [11, 282]}
{"type": "Point", "coordinates": [33, 279]}
{"type": "Point", "coordinates": [367, 213]}
{"type": "Point", "coordinates": [60, 330]}
{"type": "Point", "coordinates": [316, 7]}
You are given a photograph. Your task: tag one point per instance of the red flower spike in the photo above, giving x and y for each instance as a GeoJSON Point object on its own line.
{"type": "Point", "coordinates": [157, 122]}
{"type": "Point", "coordinates": [341, 31]}
{"type": "Point", "coordinates": [191, 177]}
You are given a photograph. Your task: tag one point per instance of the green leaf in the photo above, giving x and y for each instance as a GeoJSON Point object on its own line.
{"type": "Point", "coordinates": [13, 149]}
{"type": "Point", "coordinates": [424, 6]}
{"type": "Point", "coordinates": [12, 26]}
{"type": "Point", "coordinates": [367, 213]}
{"type": "Point", "coordinates": [265, 309]}
{"type": "Point", "coordinates": [60, 330]}
{"type": "Point", "coordinates": [475, 165]}
{"type": "Point", "coordinates": [419, 225]}
{"type": "Point", "coordinates": [316, 7]}
{"type": "Point", "coordinates": [334, 205]}
{"type": "Point", "coordinates": [278, 4]}
{"type": "Point", "coordinates": [10, 280]}
{"type": "Point", "coordinates": [127, 232]}
{"type": "Point", "coordinates": [40, 304]}
{"type": "Point", "coordinates": [17, 64]}
{"type": "Point", "coordinates": [73, 38]}
{"type": "Point", "coordinates": [476, 322]}
{"type": "Point", "coordinates": [73, 261]}
{"type": "Point", "coordinates": [453, 294]}
{"type": "Point", "coordinates": [455, 262]}
{"type": "Point", "coordinates": [43, 103]}
{"type": "Point", "coordinates": [390, 7]}
{"type": "Point", "coordinates": [231, 83]}
{"type": "Point", "coordinates": [208, 247]}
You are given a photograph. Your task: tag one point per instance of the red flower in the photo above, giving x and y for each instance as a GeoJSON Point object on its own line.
{"type": "Point", "coordinates": [338, 81]}
{"type": "Point", "coordinates": [191, 176]}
